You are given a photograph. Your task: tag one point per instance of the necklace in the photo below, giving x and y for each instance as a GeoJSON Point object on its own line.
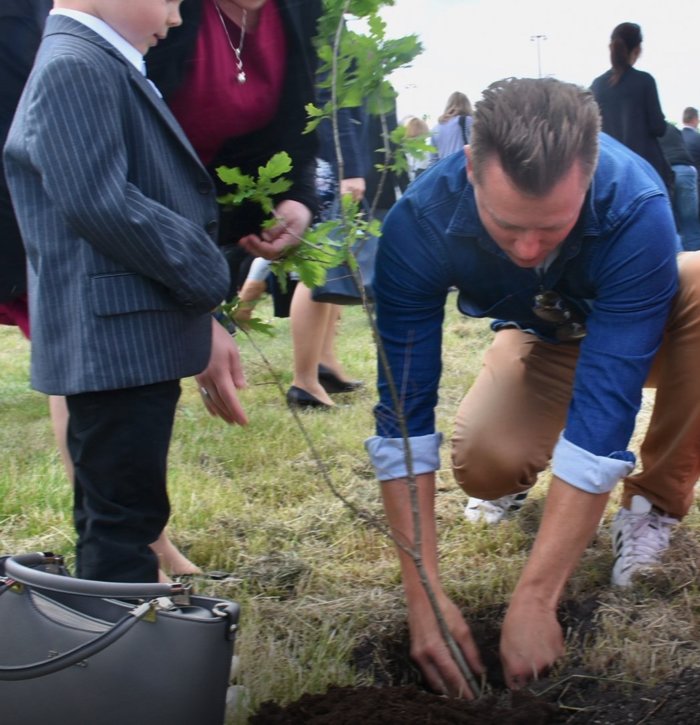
{"type": "Point", "coordinates": [237, 52]}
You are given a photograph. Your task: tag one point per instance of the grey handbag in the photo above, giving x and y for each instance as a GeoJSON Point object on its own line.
{"type": "Point", "coordinates": [80, 652]}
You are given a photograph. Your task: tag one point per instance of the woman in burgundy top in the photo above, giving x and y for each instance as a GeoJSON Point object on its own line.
{"type": "Point", "coordinates": [237, 75]}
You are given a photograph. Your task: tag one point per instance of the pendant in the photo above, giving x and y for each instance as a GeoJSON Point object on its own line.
{"type": "Point", "coordinates": [241, 77]}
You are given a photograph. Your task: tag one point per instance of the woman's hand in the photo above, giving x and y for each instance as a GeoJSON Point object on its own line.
{"type": "Point", "coordinates": [293, 219]}
{"type": "Point", "coordinates": [356, 187]}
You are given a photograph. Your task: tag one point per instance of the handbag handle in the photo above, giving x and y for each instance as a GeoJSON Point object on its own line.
{"type": "Point", "coordinates": [21, 569]}
{"type": "Point", "coordinates": [77, 654]}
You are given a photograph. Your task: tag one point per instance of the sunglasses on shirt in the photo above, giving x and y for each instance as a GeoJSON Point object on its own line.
{"type": "Point", "coordinates": [550, 307]}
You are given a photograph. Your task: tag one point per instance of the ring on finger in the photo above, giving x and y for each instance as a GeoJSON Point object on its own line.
{"type": "Point", "coordinates": [204, 392]}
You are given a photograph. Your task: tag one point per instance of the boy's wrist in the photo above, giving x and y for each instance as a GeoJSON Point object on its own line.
{"type": "Point", "coordinates": [225, 321]}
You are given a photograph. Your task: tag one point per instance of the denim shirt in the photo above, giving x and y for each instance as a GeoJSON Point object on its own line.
{"type": "Point", "coordinates": [616, 270]}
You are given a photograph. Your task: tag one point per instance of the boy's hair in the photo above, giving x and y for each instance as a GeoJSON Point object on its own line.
{"type": "Point", "coordinates": [690, 114]}
{"type": "Point", "coordinates": [537, 128]}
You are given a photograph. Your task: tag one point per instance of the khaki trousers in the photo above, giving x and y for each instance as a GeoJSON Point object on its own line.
{"type": "Point", "coordinates": [510, 420]}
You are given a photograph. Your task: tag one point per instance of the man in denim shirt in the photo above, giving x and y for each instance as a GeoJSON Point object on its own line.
{"type": "Point", "coordinates": [566, 240]}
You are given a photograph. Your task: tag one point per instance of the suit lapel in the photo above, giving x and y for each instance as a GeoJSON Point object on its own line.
{"type": "Point", "coordinates": [143, 85]}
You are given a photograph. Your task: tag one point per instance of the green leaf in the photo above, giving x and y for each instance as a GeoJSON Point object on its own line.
{"type": "Point", "coordinates": [280, 163]}
{"type": "Point", "coordinates": [256, 324]}
{"type": "Point", "coordinates": [278, 186]}
{"type": "Point", "coordinates": [312, 111]}
{"type": "Point", "coordinates": [234, 176]}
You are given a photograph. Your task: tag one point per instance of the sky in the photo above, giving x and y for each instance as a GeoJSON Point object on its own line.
{"type": "Point", "coordinates": [470, 43]}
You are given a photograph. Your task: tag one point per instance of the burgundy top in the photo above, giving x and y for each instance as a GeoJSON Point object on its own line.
{"type": "Point", "coordinates": [211, 105]}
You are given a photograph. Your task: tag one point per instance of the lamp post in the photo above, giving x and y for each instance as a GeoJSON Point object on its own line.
{"type": "Point", "coordinates": [538, 39]}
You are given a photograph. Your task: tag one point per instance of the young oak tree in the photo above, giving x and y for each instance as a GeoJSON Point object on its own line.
{"type": "Point", "coordinates": [354, 70]}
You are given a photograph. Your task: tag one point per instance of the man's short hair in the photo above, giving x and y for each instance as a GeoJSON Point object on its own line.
{"type": "Point", "coordinates": [537, 128]}
{"type": "Point", "coordinates": [690, 114]}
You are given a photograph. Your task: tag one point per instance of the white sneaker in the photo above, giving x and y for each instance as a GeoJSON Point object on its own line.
{"type": "Point", "coordinates": [493, 511]}
{"type": "Point", "coordinates": [640, 535]}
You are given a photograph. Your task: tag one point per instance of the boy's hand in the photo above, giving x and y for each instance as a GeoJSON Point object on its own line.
{"type": "Point", "coordinates": [293, 220]}
{"type": "Point", "coordinates": [222, 377]}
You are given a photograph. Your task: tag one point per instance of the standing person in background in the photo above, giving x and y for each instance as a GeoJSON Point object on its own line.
{"type": "Point", "coordinates": [417, 128]}
{"type": "Point", "coordinates": [629, 102]}
{"type": "Point", "coordinates": [454, 126]}
{"type": "Point", "coordinates": [691, 137]}
{"type": "Point", "coordinates": [317, 371]}
{"type": "Point", "coordinates": [21, 25]}
{"type": "Point", "coordinates": [314, 325]}
{"type": "Point", "coordinates": [684, 198]}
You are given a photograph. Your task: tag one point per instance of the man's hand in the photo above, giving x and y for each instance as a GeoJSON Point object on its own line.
{"type": "Point", "coordinates": [293, 219]}
{"type": "Point", "coordinates": [531, 640]}
{"type": "Point", "coordinates": [222, 377]}
{"type": "Point", "coordinates": [432, 655]}
{"type": "Point", "coordinates": [428, 647]}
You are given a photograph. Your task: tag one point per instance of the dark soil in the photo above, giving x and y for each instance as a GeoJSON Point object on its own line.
{"type": "Point", "coordinates": [572, 696]}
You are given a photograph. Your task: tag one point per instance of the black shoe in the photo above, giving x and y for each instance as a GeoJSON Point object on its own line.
{"type": "Point", "coordinates": [298, 397]}
{"type": "Point", "coordinates": [333, 384]}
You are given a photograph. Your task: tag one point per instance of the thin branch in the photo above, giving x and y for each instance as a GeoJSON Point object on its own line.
{"type": "Point", "coordinates": [415, 549]}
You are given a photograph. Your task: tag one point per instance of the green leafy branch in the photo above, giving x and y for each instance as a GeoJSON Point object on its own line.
{"type": "Point", "coordinates": [262, 189]}
{"type": "Point", "coordinates": [356, 68]}
{"type": "Point", "coordinates": [319, 249]}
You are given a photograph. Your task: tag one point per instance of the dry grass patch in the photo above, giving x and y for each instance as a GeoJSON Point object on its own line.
{"type": "Point", "coordinates": [319, 588]}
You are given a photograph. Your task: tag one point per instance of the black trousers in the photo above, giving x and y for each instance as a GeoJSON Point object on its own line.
{"type": "Point", "coordinates": [118, 441]}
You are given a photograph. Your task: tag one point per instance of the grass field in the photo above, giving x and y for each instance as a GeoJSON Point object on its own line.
{"type": "Point", "coordinates": [314, 582]}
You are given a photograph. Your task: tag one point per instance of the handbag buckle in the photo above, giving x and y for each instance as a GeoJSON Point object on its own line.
{"type": "Point", "coordinates": [229, 613]}
{"type": "Point", "coordinates": [11, 584]}
{"type": "Point", "coordinates": [53, 563]}
{"type": "Point", "coordinates": [180, 593]}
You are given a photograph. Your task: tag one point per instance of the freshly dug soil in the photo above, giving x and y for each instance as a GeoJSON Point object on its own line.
{"type": "Point", "coordinates": [572, 696]}
{"type": "Point", "coordinates": [577, 699]}
{"type": "Point", "coordinates": [408, 704]}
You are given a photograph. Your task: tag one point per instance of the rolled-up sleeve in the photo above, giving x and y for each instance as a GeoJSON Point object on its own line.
{"type": "Point", "coordinates": [588, 472]}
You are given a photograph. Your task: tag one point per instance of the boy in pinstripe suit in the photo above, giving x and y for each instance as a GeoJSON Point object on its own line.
{"type": "Point", "coordinates": [118, 217]}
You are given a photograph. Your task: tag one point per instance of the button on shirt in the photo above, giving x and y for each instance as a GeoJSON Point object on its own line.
{"type": "Point", "coordinates": [617, 269]}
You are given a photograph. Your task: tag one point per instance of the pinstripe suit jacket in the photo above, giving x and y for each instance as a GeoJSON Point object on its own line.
{"type": "Point", "coordinates": [118, 218]}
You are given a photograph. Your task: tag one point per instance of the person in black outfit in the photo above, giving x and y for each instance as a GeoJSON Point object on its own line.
{"type": "Point", "coordinates": [691, 137]}
{"type": "Point", "coordinates": [685, 188]}
{"type": "Point", "coordinates": [629, 102]}
{"type": "Point", "coordinates": [21, 24]}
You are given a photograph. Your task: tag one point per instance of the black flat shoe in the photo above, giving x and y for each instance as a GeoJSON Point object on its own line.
{"type": "Point", "coordinates": [299, 398]}
{"type": "Point", "coordinates": [333, 384]}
